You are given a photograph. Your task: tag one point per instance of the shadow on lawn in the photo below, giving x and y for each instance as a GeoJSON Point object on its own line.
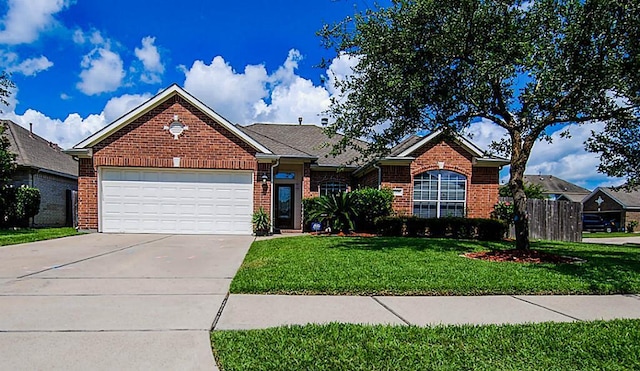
{"type": "Point", "coordinates": [607, 270]}
{"type": "Point", "coordinates": [418, 244]}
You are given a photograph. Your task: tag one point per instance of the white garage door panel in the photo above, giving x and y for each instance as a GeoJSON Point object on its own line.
{"type": "Point", "coordinates": [176, 201]}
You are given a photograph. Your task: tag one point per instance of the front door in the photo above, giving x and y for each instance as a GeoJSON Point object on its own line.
{"type": "Point", "coordinates": [284, 206]}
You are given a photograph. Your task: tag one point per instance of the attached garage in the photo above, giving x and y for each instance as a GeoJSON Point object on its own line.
{"type": "Point", "coordinates": [185, 201]}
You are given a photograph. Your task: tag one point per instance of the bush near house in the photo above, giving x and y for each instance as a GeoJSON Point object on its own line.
{"type": "Point", "coordinates": [458, 228]}
{"type": "Point", "coordinates": [19, 205]}
{"type": "Point", "coordinates": [362, 206]}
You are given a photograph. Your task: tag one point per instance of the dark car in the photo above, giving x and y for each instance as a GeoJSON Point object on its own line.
{"type": "Point", "coordinates": [595, 223]}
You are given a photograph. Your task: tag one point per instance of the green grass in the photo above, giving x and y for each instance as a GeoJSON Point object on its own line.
{"type": "Point", "coordinates": [613, 345]}
{"type": "Point", "coordinates": [414, 266]}
{"type": "Point", "coordinates": [609, 235]}
{"type": "Point", "coordinates": [12, 237]}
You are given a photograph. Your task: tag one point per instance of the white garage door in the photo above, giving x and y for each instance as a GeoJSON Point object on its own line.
{"type": "Point", "coordinates": [176, 201]}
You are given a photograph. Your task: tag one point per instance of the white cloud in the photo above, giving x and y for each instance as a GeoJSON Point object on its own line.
{"type": "Point", "coordinates": [74, 128]}
{"type": "Point", "coordinates": [65, 96]}
{"type": "Point", "coordinates": [255, 95]}
{"type": "Point", "coordinates": [31, 66]}
{"type": "Point", "coordinates": [26, 19]}
{"type": "Point", "coordinates": [118, 106]}
{"type": "Point", "coordinates": [564, 158]}
{"type": "Point", "coordinates": [340, 69]}
{"type": "Point", "coordinates": [103, 71]}
{"type": "Point", "coordinates": [150, 58]}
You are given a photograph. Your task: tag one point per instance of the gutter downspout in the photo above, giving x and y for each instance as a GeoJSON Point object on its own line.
{"type": "Point", "coordinates": [379, 175]}
{"type": "Point", "coordinates": [273, 191]}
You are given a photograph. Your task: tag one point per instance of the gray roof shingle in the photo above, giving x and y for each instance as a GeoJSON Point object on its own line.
{"type": "Point", "coordinates": [552, 184]}
{"type": "Point", "coordinates": [301, 141]}
{"type": "Point", "coordinates": [629, 200]}
{"type": "Point", "coordinates": [36, 152]}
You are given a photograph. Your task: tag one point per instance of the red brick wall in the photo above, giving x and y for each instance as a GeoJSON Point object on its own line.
{"type": "Point", "coordinates": [370, 179]}
{"type": "Point", "coordinates": [262, 191]}
{"type": "Point", "coordinates": [306, 181]}
{"type": "Point", "coordinates": [319, 177]}
{"type": "Point", "coordinates": [144, 143]}
{"type": "Point", "coordinates": [482, 183]}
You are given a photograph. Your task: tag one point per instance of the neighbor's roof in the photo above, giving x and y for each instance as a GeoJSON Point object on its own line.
{"type": "Point", "coordinates": [628, 200]}
{"type": "Point", "coordinates": [36, 152]}
{"type": "Point", "coordinates": [305, 141]}
{"type": "Point", "coordinates": [553, 184]}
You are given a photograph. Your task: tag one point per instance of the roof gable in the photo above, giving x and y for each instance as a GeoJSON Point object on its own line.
{"type": "Point", "coordinates": [36, 152]}
{"type": "Point", "coordinates": [552, 184]}
{"type": "Point", "coordinates": [413, 143]}
{"type": "Point", "coordinates": [156, 101]}
{"type": "Point", "coordinates": [628, 200]}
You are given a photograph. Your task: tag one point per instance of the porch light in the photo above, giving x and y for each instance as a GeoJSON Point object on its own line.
{"type": "Point", "coordinates": [264, 178]}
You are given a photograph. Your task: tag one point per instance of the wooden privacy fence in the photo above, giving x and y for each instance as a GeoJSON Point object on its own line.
{"type": "Point", "coordinates": [552, 220]}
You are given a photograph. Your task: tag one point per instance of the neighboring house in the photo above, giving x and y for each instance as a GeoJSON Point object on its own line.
{"type": "Point", "coordinates": [617, 205]}
{"type": "Point", "coordinates": [42, 164]}
{"type": "Point", "coordinates": [558, 189]}
{"type": "Point", "coordinates": [173, 165]}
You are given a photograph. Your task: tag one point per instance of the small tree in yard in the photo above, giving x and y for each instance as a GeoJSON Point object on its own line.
{"type": "Point", "coordinates": [527, 66]}
{"type": "Point", "coordinates": [7, 159]}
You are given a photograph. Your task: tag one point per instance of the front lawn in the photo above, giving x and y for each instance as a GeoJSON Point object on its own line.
{"type": "Point", "coordinates": [419, 266]}
{"type": "Point", "coordinates": [599, 345]}
{"type": "Point", "coordinates": [12, 237]}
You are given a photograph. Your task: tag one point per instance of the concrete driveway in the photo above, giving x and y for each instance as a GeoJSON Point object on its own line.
{"type": "Point", "coordinates": [109, 301]}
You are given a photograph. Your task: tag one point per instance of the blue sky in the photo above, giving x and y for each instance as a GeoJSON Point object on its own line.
{"type": "Point", "coordinates": [79, 64]}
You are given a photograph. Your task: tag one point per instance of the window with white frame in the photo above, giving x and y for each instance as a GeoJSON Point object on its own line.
{"type": "Point", "coordinates": [328, 188]}
{"type": "Point", "coordinates": [439, 193]}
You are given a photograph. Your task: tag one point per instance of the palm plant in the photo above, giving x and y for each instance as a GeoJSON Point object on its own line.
{"type": "Point", "coordinates": [338, 210]}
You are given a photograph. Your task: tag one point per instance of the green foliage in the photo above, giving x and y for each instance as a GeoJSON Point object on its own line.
{"type": "Point", "coordinates": [458, 228]}
{"type": "Point", "coordinates": [326, 265]}
{"type": "Point", "coordinates": [530, 190]}
{"type": "Point", "coordinates": [631, 226]}
{"type": "Point", "coordinates": [503, 211]}
{"type": "Point", "coordinates": [22, 204]}
{"type": "Point", "coordinates": [369, 204]}
{"type": "Point", "coordinates": [526, 66]}
{"type": "Point", "coordinates": [337, 210]}
{"type": "Point", "coordinates": [598, 345]}
{"type": "Point", "coordinates": [261, 222]}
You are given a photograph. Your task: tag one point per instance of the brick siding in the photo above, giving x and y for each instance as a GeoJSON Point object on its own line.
{"type": "Point", "coordinates": [144, 143]}
{"type": "Point", "coordinates": [319, 177]}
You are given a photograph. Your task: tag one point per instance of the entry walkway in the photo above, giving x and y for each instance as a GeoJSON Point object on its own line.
{"type": "Point", "coordinates": [262, 311]}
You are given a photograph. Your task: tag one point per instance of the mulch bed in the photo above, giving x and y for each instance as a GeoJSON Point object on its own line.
{"type": "Point", "coordinates": [523, 256]}
{"type": "Point", "coordinates": [341, 234]}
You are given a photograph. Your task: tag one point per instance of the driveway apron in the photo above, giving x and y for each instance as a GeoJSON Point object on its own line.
{"type": "Point", "coordinates": [110, 301]}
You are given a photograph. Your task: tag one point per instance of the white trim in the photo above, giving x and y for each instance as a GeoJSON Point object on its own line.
{"type": "Point", "coordinates": [99, 195]}
{"type": "Point", "coordinates": [464, 142]}
{"type": "Point", "coordinates": [157, 100]}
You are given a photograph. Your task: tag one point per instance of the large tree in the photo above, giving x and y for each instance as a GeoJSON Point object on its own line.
{"type": "Point", "coordinates": [530, 67]}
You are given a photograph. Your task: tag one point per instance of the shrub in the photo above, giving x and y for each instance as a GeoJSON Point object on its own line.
{"type": "Point", "coordinates": [490, 229]}
{"type": "Point", "coordinates": [261, 222]}
{"type": "Point", "coordinates": [390, 226]}
{"type": "Point", "coordinates": [458, 228]}
{"type": "Point", "coordinates": [415, 226]}
{"type": "Point", "coordinates": [19, 205]}
{"type": "Point", "coordinates": [503, 211]}
{"type": "Point", "coordinates": [631, 226]}
{"type": "Point", "coordinates": [310, 206]}
{"type": "Point", "coordinates": [337, 210]}
{"type": "Point", "coordinates": [370, 204]}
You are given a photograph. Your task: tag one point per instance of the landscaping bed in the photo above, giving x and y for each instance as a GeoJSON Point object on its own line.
{"type": "Point", "coordinates": [421, 266]}
{"type": "Point", "coordinates": [599, 345]}
{"type": "Point", "coordinates": [24, 235]}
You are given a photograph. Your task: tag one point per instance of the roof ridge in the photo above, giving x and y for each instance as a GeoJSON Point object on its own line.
{"type": "Point", "coordinates": [277, 141]}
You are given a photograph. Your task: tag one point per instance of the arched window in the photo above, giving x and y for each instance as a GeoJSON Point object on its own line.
{"type": "Point", "coordinates": [328, 188]}
{"type": "Point", "coordinates": [439, 193]}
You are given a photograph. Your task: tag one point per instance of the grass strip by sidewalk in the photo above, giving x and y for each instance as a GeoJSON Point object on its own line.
{"type": "Point", "coordinates": [419, 266]}
{"type": "Point", "coordinates": [600, 345]}
{"type": "Point", "coordinates": [12, 237]}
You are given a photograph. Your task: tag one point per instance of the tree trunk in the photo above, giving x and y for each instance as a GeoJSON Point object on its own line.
{"type": "Point", "coordinates": [521, 219]}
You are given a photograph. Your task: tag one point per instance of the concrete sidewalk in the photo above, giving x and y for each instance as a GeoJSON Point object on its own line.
{"type": "Point", "coordinates": [262, 311]}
